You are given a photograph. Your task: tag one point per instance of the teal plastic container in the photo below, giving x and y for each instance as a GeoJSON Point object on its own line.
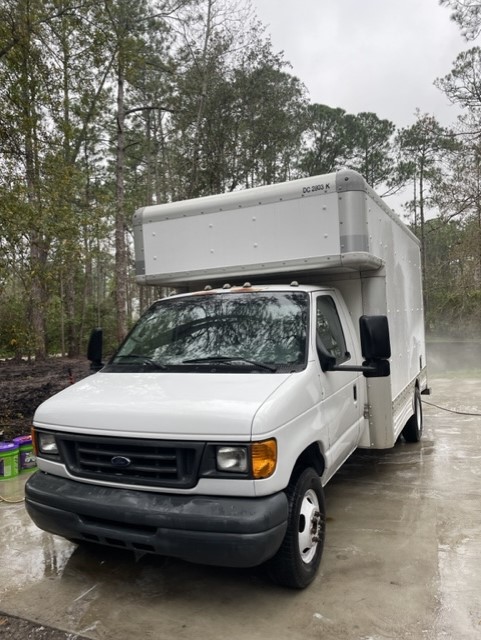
{"type": "Point", "coordinates": [8, 460]}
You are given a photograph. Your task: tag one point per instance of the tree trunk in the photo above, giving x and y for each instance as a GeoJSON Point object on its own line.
{"type": "Point", "coordinates": [422, 234]}
{"type": "Point", "coordinates": [120, 243]}
{"type": "Point", "coordinates": [201, 106]}
{"type": "Point", "coordinates": [38, 252]}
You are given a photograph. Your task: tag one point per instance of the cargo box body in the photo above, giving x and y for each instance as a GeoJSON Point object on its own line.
{"type": "Point", "coordinates": [278, 231]}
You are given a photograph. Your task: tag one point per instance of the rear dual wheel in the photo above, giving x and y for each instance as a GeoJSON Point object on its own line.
{"type": "Point", "coordinates": [413, 430]}
{"type": "Point", "coordinates": [295, 564]}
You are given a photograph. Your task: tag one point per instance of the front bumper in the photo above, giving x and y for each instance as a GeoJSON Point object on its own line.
{"type": "Point", "coordinates": [223, 531]}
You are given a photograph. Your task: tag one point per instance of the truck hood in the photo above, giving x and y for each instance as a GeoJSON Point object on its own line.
{"type": "Point", "coordinates": [172, 405]}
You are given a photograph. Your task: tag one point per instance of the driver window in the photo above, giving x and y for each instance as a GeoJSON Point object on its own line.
{"type": "Point", "coordinates": [329, 329]}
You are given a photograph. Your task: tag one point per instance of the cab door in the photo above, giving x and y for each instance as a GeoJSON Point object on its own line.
{"type": "Point", "coordinates": [342, 404]}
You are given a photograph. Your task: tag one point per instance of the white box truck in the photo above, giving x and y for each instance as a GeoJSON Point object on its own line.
{"type": "Point", "coordinates": [210, 434]}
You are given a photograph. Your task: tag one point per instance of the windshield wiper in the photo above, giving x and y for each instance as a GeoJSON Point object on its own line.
{"type": "Point", "coordinates": [229, 360]}
{"type": "Point", "coordinates": [142, 358]}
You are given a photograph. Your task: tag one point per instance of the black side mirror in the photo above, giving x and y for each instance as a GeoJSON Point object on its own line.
{"type": "Point", "coordinates": [375, 346]}
{"type": "Point", "coordinates": [94, 349]}
{"type": "Point", "coordinates": [375, 339]}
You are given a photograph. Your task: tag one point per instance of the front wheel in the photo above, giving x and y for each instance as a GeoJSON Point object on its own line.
{"type": "Point", "coordinates": [296, 563]}
{"type": "Point", "coordinates": [413, 430]}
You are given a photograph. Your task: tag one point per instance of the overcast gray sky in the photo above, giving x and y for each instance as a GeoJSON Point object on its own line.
{"type": "Point", "coordinates": [368, 55]}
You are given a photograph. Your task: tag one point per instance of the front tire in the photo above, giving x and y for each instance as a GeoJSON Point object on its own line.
{"type": "Point", "coordinates": [413, 430]}
{"type": "Point", "coordinates": [295, 564]}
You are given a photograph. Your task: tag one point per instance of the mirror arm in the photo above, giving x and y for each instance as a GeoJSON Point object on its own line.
{"type": "Point", "coordinates": [370, 368]}
{"type": "Point", "coordinates": [359, 368]}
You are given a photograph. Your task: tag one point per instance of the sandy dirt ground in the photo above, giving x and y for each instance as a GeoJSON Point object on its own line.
{"type": "Point", "coordinates": [12, 628]}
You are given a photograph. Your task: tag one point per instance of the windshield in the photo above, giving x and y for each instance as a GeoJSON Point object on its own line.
{"type": "Point", "coordinates": [260, 331]}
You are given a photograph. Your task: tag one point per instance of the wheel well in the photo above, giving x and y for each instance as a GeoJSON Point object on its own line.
{"type": "Point", "coordinates": [310, 457]}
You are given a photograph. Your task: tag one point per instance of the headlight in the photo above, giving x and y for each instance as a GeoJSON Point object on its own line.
{"type": "Point", "coordinates": [232, 459]}
{"type": "Point", "coordinates": [258, 459]}
{"type": "Point", "coordinates": [47, 444]}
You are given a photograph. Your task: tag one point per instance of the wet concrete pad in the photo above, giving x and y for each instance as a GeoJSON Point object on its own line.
{"type": "Point", "coordinates": [402, 557]}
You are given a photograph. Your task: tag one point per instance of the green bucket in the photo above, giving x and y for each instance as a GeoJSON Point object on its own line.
{"type": "Point", "coordinates": [8, 460]}
{"type": "Point", "coordinates": [26, 456]}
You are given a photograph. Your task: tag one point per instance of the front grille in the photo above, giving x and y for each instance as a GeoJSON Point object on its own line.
{"type": "Point", "coordinates": [132, 461]}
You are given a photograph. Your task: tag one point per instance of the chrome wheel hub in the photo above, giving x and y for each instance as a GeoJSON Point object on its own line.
{"type": "Point", "coordinates": [309, 526]}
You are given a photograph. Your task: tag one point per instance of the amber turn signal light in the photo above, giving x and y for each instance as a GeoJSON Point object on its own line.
{"type": "Point", "coordinates": [263, 458]}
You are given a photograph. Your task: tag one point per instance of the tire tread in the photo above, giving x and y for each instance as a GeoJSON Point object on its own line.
{"type": "Point", "coordinates": [285, 567]}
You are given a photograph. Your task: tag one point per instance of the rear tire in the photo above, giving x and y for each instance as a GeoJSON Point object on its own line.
{"type": "Point", "coordinates": [295, 564]}
{"type": "Point", "coordinates": [413, 430]}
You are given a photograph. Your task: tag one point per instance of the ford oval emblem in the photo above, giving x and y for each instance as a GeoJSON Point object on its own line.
{"type": "Point", "coordinates": [120, 461]}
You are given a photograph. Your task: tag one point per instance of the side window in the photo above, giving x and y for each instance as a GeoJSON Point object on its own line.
{"type": "Point", "coordinates": [329, 329]}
